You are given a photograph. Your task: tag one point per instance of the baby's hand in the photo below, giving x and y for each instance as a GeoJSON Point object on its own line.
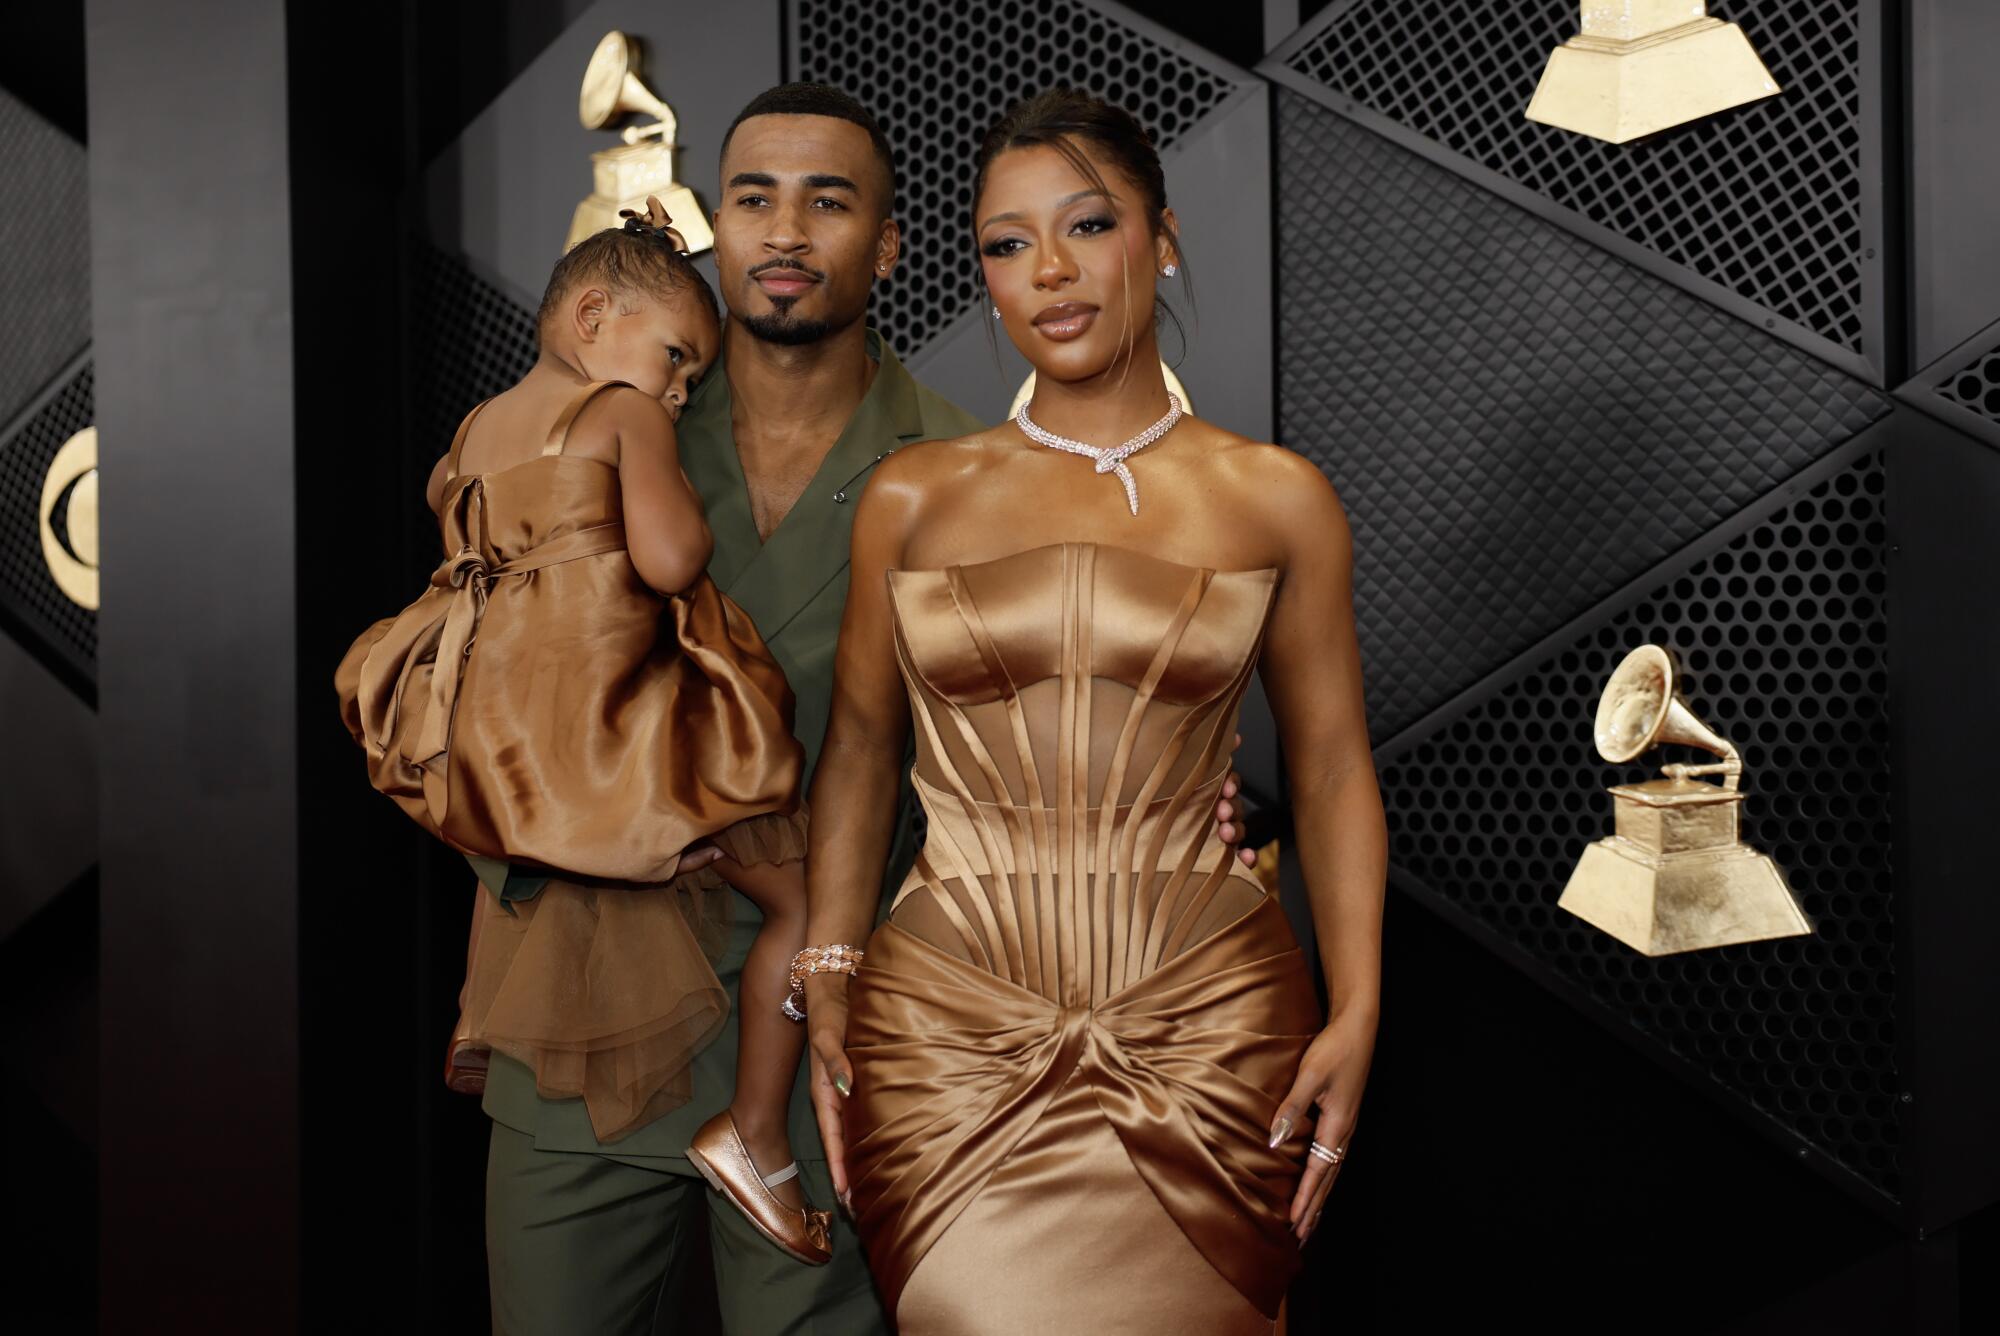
{"type": "Point", "coordinates": [698, 855]}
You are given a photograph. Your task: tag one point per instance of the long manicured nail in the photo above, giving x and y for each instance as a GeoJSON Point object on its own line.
{"type": "Point", "coordinates": [842, 1083]}
{"type": "Point", "coordinates": [1280, 1132]}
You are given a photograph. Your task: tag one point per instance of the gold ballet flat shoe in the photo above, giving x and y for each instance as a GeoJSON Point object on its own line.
{"type": "Point", "coordinates": [465, 1066]}
{"type": "Point", "coordinates": [717, 1150]}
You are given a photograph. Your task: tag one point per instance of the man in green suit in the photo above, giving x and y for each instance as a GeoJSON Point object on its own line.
{"type": "Point", "coordinates": [778, 439]}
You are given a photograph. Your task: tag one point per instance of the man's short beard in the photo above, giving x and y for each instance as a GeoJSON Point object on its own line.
{"type": "Point", "coordinates": [786, 333]}
{"type": "Point", "coordinates": [780, 328]}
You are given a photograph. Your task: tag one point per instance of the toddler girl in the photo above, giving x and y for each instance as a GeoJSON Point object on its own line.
{"type": "Point", "coordinates": [541, 703]}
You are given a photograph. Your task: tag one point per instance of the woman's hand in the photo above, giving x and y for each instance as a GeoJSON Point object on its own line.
{"type": "Point", "coordinates": [853, 794]}
{"type": "Point", "coordinates": [1331, 1076]}
{"type": "Point", "coordinates": [832, 1074]}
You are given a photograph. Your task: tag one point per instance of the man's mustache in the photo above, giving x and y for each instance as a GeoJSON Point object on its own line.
{"type": "Point", "coordinates": [782, 263]}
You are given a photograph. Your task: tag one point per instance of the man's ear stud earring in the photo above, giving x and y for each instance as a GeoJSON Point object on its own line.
{"type": "Point", "coordinates": [1171, 270]}
{"type": "Point", "coordinates": [996, 313]}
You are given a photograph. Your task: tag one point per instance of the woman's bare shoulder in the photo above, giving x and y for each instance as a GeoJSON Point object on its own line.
{"type": "Point", "coordinates": [1276, 474]}
{"type": "Point", "coordinates": [1284, 493]}
{"type": "Point", "coordinates": [926, 465]}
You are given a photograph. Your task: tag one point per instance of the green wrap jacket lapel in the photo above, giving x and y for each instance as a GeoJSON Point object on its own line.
{"type": "Point", "coordinates": [775, 580]}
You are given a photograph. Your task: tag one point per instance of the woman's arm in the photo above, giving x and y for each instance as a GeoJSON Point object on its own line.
{"type": "Point", "coordinates": [1311, 668]}
{"type": "Point", "coordinates": [665, 529]}
{"type": "Point", "coordinates": [854, 789]}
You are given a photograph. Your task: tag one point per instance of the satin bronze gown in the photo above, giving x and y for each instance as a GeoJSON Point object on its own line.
{"type": "Point", "coordinates": [1073, 1031]}
{"type": "Point", "coordinates": [540, 703]}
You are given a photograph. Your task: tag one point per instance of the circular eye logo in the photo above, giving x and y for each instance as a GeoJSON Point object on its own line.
{"type": "Point", "coordinates": [70, 491]}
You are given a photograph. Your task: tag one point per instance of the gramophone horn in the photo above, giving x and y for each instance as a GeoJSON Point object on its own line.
{"type": "Point", "coordinates": [612, 88]}
{"type": "Point", "coordinates": [1642, 707]}
{"type": "Point", "coordinates": [623, 177]}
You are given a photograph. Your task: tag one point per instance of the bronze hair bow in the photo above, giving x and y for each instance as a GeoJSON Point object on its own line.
{"type": "Point", "coordinates": [654, 222]}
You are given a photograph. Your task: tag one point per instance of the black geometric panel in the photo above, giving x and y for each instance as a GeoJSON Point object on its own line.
{"type": "Point", "coordinates": [937, 75]}
{"type": "Point", "coordinates": [44, 255]}
{"type": "Point", "coordinates": [1783, 636]}
{"type": "Point", "coordinates": [1764, 199]}
{"type": "Point", "coordinates": [37, 606]}
{"type": "Point", "coordinates": [472, 341]}
{"type": "Point", "coordinates": [1975, 386]}
{"type": "Point", "coordinates": [1518, 422]}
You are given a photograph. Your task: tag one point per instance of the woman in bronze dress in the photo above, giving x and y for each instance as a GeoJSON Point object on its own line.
{"type": "Point", "coordinates": [1080, 1079]}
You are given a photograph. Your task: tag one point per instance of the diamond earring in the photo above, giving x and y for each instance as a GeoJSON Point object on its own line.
{"type": "Point", "coordinates": [996, 313]}
{"type": "Point", "coordinates": [1171, 270]}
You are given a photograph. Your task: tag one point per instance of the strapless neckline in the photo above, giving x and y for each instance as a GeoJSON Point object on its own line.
{"type": "Point", "coordinates": [1089, 543]}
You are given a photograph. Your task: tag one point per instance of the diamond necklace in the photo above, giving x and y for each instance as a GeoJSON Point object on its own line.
{"type": "Point", "coordinates": [1110, 458]}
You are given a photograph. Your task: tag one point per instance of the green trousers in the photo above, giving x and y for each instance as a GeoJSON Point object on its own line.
{"type": "Point", "coordinates": [583, 1245]}
{"type": "Point", "coordinates": [584, 1239]}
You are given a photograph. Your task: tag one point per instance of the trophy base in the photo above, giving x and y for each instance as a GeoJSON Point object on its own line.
{"type": "Point", "coordinates": [1619, 90]}
{"type": "Point", "coordinates": [598, 212]}
{"type": "Point", "coordinates": [1661, 904]}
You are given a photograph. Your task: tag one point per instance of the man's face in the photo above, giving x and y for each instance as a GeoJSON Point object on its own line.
{"type": "Point", "coordinates": [803, 229]}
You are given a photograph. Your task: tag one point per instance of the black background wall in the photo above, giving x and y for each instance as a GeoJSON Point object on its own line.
{"type": "Point", "coordinates": [1736, 388]}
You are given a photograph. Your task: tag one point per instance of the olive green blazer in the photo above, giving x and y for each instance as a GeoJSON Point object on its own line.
{"type": "Point", "coordinates": [794, 588]}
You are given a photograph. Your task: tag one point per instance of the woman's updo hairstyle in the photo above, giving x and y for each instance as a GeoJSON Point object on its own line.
{"type": "Point", "coordinates": [645, 255]}
{"type": "Point", "coordinates": [1064, 118]}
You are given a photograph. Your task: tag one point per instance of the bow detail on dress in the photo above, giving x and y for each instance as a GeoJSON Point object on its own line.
{"type": "Point", "coordinates": [956, 1065]}
{"type": "Point", "coordinates": [467, 568]}
{"type": "Point", "coordinates": [468, 575]}
{"type": "Point", "coordinates": [434, 636]}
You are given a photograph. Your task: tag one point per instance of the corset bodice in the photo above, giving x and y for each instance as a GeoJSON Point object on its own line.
{"type": "Point", "coordinates": [1074, 707]}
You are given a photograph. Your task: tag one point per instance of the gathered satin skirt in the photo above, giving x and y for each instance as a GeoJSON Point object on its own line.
{"type": "Point", "coordinates": [1019, 1166]}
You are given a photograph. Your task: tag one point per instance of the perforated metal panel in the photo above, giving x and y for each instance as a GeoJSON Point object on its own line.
{"type": "Point", "coordinates": [44, 255]}
{"type": "Point", "coordinates": [41, 609]}
{"type": "Point", "coordinates": [472, 341]}
{"type": "Point", "coordinates": [1783, 636]}
{"type": "Point", "coordinates": [1518, 422]}
{"type": "Point", "coordinates": [1975, 386]}
{"type": "Point", "coordinates": [1765, 199]}
{"type": "Point", "coordinates": [938, 75]}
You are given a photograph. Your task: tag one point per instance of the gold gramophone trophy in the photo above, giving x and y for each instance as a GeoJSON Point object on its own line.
{"type": "Point", "coordinates": [1640, 66]}
{"type": "Point", "coordinates": [644, 164]}
{"type": "Point", "coordinates": [1675, 876]}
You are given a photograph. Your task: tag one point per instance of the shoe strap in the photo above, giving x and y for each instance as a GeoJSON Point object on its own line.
{"type": "Point", "coordinates": [788, 1172]}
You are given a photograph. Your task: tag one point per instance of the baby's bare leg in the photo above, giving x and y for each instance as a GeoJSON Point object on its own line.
{"type": "Point", "coordinates": [768, 1043]}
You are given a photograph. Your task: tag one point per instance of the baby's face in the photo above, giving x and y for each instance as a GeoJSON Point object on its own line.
{"type": "Point", "coordinates": [661, 348]}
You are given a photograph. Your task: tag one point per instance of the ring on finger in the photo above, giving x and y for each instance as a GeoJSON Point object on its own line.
{"type": "Point", "coordinates": [1332, 1155]}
